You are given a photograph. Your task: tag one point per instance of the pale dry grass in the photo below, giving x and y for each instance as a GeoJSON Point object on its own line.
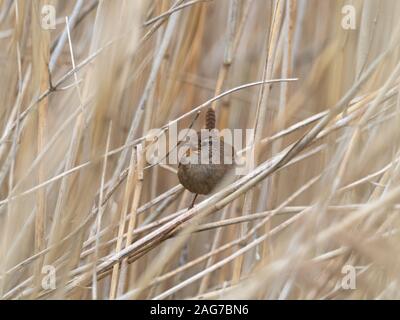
{"type": "Point", "coordinates": [77, 194]}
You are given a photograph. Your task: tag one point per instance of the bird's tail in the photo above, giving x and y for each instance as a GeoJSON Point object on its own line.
{"type": "Point", "coordinates": [210, 119]}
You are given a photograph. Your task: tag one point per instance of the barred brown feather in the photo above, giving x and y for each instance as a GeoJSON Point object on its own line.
{"type": "Point", "coordinates": [210, 119]}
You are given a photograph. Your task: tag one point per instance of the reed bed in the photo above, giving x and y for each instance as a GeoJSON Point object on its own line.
{"type": "Point", "coordinates": [84, 215]}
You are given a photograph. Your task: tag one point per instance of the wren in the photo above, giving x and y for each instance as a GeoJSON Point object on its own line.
{"type": "Point", "coordinates": [198, 175]}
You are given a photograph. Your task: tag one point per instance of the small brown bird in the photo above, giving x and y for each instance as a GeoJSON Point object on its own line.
{"type": "Point", "coordinates": [195, 174]}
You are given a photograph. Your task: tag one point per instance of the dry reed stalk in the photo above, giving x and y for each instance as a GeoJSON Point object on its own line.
{"type": "Point", "coordinates": [122, 221]}
{"type": "Point", "coordinates": [133, 215]}
{"type": "Point", "coordinates": [41, 48]}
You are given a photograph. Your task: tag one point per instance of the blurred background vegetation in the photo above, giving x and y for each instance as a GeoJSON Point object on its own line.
{"type": "Point", "coordinates": [78, 200]}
